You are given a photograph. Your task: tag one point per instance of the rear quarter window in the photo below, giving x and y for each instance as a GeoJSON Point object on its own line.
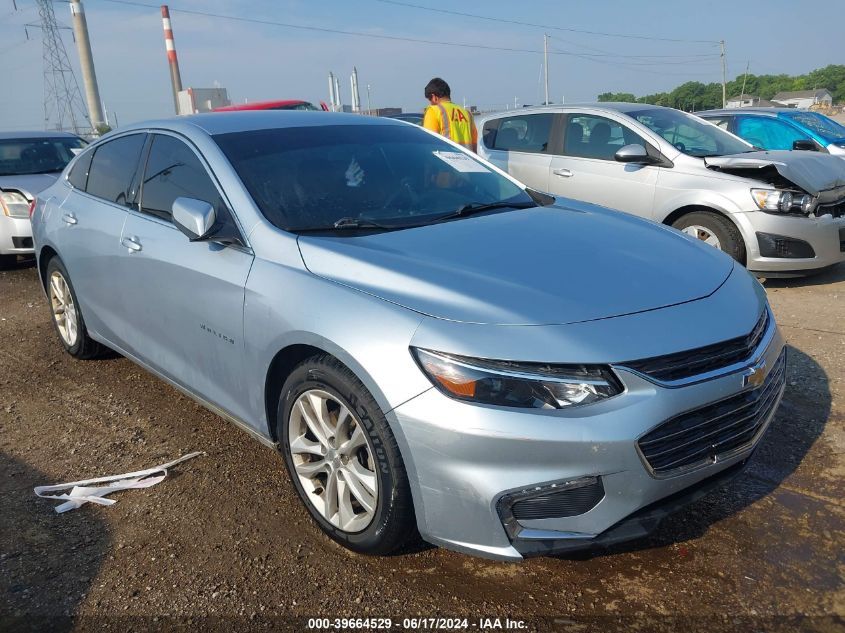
{"type": "Point", "coordinates": [78, 176]}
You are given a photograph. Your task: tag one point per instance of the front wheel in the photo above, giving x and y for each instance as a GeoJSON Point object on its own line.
{"type": "Point", "coordinates": [715, 230]}
{"type": "Point", "coordinates": [343, 459]}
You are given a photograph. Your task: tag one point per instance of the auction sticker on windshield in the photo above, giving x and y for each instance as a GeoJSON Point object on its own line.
{"type": "Point", "coordinates": [460, 162]}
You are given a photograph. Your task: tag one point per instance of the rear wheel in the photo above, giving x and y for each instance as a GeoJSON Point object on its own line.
{"type": "Point", "coordinates": [714, 229]}
{"type": "Point", "coordinates": [67, 318]}
{"type": "Point", "coordinates": [343, 459]}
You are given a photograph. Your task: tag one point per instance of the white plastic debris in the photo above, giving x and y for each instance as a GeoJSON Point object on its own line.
{"type": "Point", "coordinates": [82, 492]}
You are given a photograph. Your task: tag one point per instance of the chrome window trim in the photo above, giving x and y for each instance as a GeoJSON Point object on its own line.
{"type": "Point", "coordinates": [212, 176]}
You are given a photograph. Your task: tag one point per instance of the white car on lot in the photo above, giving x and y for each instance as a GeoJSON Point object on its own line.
{"type": "Point", "coordinates": [29, 163]}
{"type": "Point", "coordinates": [780, 213]}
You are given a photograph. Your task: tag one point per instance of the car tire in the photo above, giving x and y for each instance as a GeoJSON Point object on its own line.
{"type": "Point", "coordinates": [340, 453]}
{"type": "Point", "coordinates": [714, 229]}
{"type": "Point", "coordinates": [67, 316]}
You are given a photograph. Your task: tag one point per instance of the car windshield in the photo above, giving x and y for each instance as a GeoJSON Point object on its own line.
{"type": "Point", "coordinates": [689, 134]}
{"type": "Point", "coordinates": [23, 156]}
{"type": "Point", "coordinates": [827, 128]}
{"type": "Point", "coordinates": [393, 175]}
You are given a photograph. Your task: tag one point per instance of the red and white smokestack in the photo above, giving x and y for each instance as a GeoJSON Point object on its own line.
{"type": "Point", "coordinates": [175, 77]}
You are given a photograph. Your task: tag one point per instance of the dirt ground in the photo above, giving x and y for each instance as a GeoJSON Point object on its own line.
{"type": "Point", "coordinates": [224, 543]}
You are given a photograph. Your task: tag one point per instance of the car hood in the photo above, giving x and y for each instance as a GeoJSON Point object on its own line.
{"type": "Point", "coordinates": [551, 265]}
{"type": "Point", "coordinates": [813, 172]}
{"type": "Point", "coordinates": [32, 184]}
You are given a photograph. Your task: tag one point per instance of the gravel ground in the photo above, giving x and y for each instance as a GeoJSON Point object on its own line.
{"type": "Point", "coordinates": [224, 543]}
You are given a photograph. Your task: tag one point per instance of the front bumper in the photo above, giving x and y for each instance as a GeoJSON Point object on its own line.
{"type": "Point", "coordinates": [464, 459]}
{"type": "Point", "coordinates": [15, 236]}
{"type": "Point", "coordinates": [825, 235]}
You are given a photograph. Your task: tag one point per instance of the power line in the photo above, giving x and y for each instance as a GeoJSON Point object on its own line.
{"type": "Point", "coordinates": [353, 33]}
{"type": "Point", "coordinates": [605, 53]}
{"type": "Point", "coordinates": [543, 26]}
{"type": "Point", "coordinates": [320, 29]}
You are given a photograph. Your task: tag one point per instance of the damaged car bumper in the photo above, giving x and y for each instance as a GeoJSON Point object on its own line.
{"type": "Point", "coordinates": [793, 245]}
{"type": "Point", "coordinates": [15, 236]}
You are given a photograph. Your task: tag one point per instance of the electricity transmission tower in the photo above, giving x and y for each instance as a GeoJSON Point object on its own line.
{"type": "Point", "coordinates": [63, 106]}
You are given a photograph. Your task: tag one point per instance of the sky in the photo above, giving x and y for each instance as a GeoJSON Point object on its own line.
{"type": "Point", "coordinates": [260, 61]}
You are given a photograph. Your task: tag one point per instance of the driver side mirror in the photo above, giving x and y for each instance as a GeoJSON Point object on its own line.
{"type": "Point", "coordinates": [805, 144]}
{"type": "Point", "coordinates": [195, 218]}
{"type": "Point", "coordinates": [633, 153]}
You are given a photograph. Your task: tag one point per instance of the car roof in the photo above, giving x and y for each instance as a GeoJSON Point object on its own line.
{"type": "Point", "coordinates": [249, 120]}
{"type": "Point", "coordinates": [769, 111]}
{"type": "Point", "coordinates": [261, 105]}
{"type": "Point", "coordinates": [615, 106]}
{"type": "Point", "coordinates": [8, 136]}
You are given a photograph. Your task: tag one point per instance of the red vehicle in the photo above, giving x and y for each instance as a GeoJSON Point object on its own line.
{"type": "Point", "coordinates": [291, 104]}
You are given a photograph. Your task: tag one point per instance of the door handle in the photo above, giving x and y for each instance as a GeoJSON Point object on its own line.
{"type": "Point", "coordinates": [131, 243]}
{"type": "Point", "coordinates": [69, 218]}
{"type": "Point", "coordinates": [563, 173]}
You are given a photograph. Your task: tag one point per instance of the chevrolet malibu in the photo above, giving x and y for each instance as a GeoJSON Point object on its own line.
{"type": "Point", "coordinates": [435, 349]}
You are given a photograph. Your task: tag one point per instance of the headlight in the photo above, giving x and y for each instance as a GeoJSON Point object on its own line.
{"type": "Point", "coordinates": [782, 201]}
{"type": "Point", "coordinates": [14, 204]}
{"type": "Point", "coordinates": [507, 384]}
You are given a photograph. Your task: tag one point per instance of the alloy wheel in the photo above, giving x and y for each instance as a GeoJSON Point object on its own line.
{"type": "Point", "coordinates": [704, 234]}
{"type": "Point", "coordinates": [64, 310]}
{"type": "Point", "coordinates": [333, 459]}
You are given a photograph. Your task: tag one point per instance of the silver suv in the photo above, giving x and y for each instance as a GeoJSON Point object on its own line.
{"type": "Point", "coordinates": [780, 213]}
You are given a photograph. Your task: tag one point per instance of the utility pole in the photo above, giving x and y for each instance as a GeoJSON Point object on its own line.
{"type": "Point", "coordinates": [724, 75]}
{"type": "Point", "coordinates": [546, 65]}
{"type": "Point", "coordinates": [744, 79]}
{"type": "Point", "coordinates": [369, 107]}
{"type": "Point", "coordinates": [86, 64]}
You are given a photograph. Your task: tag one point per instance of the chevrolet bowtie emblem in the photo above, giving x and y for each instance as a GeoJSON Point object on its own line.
{"type": "Point", "coordinates": [755, 375]}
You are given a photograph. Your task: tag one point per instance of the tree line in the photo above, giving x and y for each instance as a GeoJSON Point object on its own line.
{"type": "Point", "coordinates": [694, 95]}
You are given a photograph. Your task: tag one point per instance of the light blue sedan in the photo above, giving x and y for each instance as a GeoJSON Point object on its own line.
{"type": "Point", "coordinates": [433, 348]}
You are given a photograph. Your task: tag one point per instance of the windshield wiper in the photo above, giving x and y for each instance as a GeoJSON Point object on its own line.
{"type": "Point", "coordinates": [360, 223]}
{"type": "Point", "coordinates": [469, 209]}
{"type": "Point", "coordinates": [345, 224]}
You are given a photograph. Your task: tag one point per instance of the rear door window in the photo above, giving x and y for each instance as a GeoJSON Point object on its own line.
{"type": "Point", "coordinates": [113, 168]}
{"type": "Point", "coordinates": [173, 170]}
{"type": "Point", "coordinates": [524, 133]}
{"type": "Point", "coordinates": [590, 136]}
{"type": "Point", "coordinates": [768, 133]}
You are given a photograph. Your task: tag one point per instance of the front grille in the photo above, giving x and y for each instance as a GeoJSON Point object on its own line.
{"type": "Point", "coordinates": [557, 505]}
{"type": "Point", "coordinates": [22, 242]}
{"type": "Point", "coordinates": [700, 360]}
{"type": "Point", "coordinates": [837, 209]}
{"type": "Point", "coordinates": [704, 434]}
{"type": "Point", "coordinates": [772, 245]}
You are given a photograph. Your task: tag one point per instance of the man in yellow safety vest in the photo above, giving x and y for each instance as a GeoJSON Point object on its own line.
{"type": "Point", "coordinates": [447, 118]}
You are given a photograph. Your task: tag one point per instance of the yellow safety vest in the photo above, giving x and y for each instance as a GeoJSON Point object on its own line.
{"type": "Point", "coordinates": [453, 122]}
